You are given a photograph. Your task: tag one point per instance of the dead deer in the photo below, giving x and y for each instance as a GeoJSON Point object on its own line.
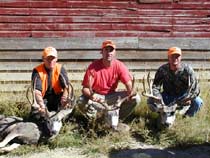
{"type": "Point", "coordinates": [111, 111]}
{"type": "Point", "coordinates": [167, 112]}
{"type": "Point", "coordinates": [19, 131]}
{"type": "Point", "coordinates": [53, 119]}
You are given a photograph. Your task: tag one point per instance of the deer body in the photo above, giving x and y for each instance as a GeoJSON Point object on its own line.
{"type": "Point", "coordinates": [15, 128]}
{"type": "Point", "coordinates": [29, 132]}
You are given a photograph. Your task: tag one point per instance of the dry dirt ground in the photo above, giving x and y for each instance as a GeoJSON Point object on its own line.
{"type": "Point", "coordinates": [135, 150]}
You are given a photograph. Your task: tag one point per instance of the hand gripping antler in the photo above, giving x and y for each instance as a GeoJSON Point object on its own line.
{"type": "Point", "coordinates": [119, 101]}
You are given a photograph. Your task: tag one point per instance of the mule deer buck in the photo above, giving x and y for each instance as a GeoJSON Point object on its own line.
{"type": "Point", "coordinates": [167, 112]}
{"type": "Point", "coordinates": [19, 131]}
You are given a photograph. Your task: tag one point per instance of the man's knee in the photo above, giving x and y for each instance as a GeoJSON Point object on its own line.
{"type": "Point", "coordinates": [195, 106]}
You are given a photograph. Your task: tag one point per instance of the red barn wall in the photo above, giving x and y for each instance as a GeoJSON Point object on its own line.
{"type": "Point", "coordinates": [143, 30]}
{"type": "Point", "coordinates": [104, 18]}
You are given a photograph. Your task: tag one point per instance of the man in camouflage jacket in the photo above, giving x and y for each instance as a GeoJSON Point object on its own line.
{"type": "Point", "coordinates": [172, 81]}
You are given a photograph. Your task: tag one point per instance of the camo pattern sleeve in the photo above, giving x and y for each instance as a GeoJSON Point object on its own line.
{"type": "Point", "coordinates": [175, 83]}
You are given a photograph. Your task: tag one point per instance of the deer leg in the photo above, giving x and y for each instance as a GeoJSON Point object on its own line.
{"type": "Point", "coordinates": [8, 138]}
{"type": "Point", "coordinates": [9, 148]}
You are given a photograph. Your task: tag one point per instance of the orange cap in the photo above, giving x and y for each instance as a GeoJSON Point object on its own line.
{"type": "Point", "coordinates": [49, 51]}
{"type": "Point", "coordinates": [174, 50]}
{"type": "Point", "coordinates": [108, 43]}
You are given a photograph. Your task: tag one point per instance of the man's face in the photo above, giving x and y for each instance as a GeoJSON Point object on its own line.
{"type": "Point", "coordinates": [174, 61]}
{"type": "Point", "coordinates": [50, 62]}
{"type": "Point", "coordinates": [108, 53]}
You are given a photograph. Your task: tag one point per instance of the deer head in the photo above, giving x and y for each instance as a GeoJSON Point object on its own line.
{"type": "Point", "coordinates": [57, 117]}
{"type": "Point", "coordinates": [167, 112]}
{"type": "Point", "coordinates": [51, 122]}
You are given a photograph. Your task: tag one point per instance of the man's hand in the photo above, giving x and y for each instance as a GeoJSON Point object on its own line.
{"type": "Point", "coordinates": [95, 98]}
{"type": "Point", "coordinates": [130, 94]}
{"type": "Point", "coordinates": [64, 101]}
{"type": "Point", "coordinates": [42, 110]}
{"type": "Point", "coordinates": [186, 102]}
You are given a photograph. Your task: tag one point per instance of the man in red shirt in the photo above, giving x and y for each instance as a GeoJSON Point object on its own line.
{"type": "Point", "coordinates": [100, 83]}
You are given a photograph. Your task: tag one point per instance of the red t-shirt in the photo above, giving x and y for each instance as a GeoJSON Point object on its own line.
{"type": "Point", "coordinates": [104, 80]}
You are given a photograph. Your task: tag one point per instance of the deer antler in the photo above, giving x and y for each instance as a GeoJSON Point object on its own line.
{"type": "Point", "coordinates": [34, 103]}
{"type": "Point", "coordinates": [186, 94]}
{"type": "Point", "coordinates": [31, 88]}
{"type": "Point", "coordinates": [70, 98]}
{"type": "Point", "coordinates": [150, 94]}
{"type": "Point", "coordinates": [162, 107]}
{"type": "Point", "coordinates": [120, 100]}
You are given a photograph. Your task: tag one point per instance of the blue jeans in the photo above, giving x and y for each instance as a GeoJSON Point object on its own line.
{"type": "Point", "coordinates": [196, 103]}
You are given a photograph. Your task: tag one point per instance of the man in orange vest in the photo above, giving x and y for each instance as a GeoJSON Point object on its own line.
{"type": "Point", "coordinates": [50, 82]}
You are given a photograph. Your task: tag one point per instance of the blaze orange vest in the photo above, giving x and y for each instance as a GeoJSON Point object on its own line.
{"type": "Point", "coordinates": [55, 78]}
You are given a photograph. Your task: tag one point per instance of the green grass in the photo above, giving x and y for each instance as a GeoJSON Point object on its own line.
{"type": "Point", "coordinates": [186, 131]}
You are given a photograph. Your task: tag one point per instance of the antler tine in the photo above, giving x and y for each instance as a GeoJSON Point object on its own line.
{"type": "Point", "coordinates": [31, 88]}
{"type": "Point", "coordinates": [149, 83]}
{"type": "Point", "coordinates": [70, 98]}
{"type": "Point", "coordinates": [62, 113]}
{"type": "Point", "coordinates": [114, 106]}
{"type": "Point", "coordinates": [72, 92]}
{"type": "Point", "coordinates": [120, 100]}
{"type": "Point", "coordinates": [106, 106]}
{"type": "Point", "coordinates": [190, 85]}
{"type": "Point", "coordinates": [27, 91]}
{"type": "Point", "coordinates": [144, 87]}
{"type": "Point", "coordinates": [144, 92]}
{"type": "Point", "coordinates": [133, 82]}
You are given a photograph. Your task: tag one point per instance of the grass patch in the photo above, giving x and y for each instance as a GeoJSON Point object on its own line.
{"type": "Point", "coordinates": [186, 131]}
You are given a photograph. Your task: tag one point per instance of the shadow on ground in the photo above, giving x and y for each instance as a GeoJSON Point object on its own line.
{"type": "Point", "coordinates": [195, 151]}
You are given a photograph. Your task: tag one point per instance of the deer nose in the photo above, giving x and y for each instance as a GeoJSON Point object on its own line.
{"type": "Point", "coordinates": [53, 132]}
{"type": "Point", "coordinates": [168, 124]}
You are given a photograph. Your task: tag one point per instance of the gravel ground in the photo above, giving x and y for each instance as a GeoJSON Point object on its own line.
{"type": "Point", "coordinates": [137, 150]}
{"type": "Point", "coordinates": [57, 153]}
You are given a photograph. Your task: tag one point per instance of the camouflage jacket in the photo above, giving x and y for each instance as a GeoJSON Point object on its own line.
{"type": "Point", "coordinates": [175, 83]}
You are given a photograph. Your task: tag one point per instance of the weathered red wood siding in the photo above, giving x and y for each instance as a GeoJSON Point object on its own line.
{"type": "Point", "coordinates": [104, 18]}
